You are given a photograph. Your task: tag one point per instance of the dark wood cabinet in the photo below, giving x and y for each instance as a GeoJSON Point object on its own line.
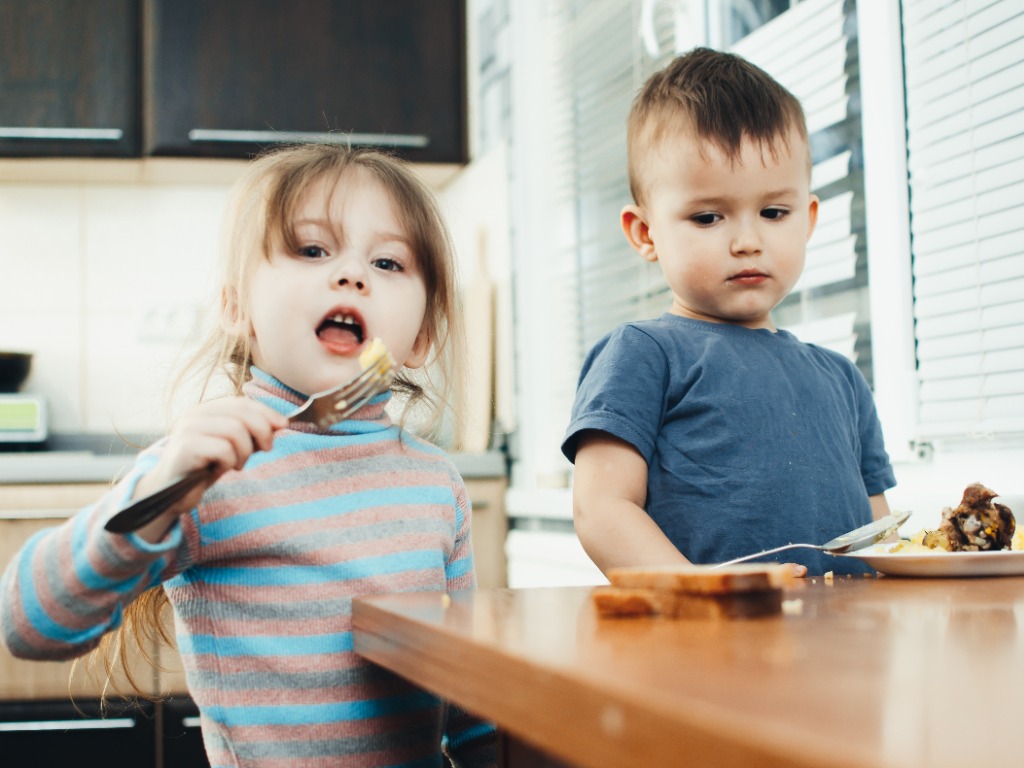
{"type": "Point", "coordinates": [224, 78]}
{"type": "Point", "coordinates": [86, 733]}
{"type": "Point", "coordinates": [82, 733]}
{"type": "Point", "coordinates": [181, 739]}
{"type": "Point", "coordinates": [69, 78]}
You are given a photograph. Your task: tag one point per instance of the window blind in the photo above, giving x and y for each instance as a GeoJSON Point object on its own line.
{"type": "Point", "coordinates": [964, 64]}
{"type": "Point", "coordinates": [812, 50]}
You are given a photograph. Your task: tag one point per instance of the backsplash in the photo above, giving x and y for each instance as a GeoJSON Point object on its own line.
{"type": "Point", "coordinates": [103, 281]}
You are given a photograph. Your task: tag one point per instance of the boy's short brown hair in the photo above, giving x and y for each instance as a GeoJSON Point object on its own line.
{"type": "Point", "coordinates": [721, 97]}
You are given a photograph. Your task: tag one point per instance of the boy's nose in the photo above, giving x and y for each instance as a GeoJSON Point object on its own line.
{"type": "Point", "coordinates": [746, 240]}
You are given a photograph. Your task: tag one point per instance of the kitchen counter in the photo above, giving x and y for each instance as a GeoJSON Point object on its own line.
{"type": "Point", "coordinates": [93, 466]}
{"type": "Point", "coordinates": [860, 673]}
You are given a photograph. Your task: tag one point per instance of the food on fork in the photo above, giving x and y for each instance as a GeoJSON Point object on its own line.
{"type": "Point", "coordinates": [375, 352]}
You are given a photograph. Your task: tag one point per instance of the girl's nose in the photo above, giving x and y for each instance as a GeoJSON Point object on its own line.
{"type": "Point", "coordinates": [359, 285]}
{"type": "Point", "coordinates": [351, 274]}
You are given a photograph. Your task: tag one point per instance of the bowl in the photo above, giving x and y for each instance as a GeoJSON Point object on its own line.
{"type": "Point", "coordinates": [14, 368]}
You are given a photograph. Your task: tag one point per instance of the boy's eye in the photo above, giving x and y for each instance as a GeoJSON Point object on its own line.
{"type": "Point", "coordinates": [774, 213]}
{"type": "Point", "coordinates": [312, 251]}
{"type": "Point", "coordinates": [706, 219]}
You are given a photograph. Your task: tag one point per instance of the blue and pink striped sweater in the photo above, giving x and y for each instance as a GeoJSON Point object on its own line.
{"type": "Point", "coordinates": [261, 576]}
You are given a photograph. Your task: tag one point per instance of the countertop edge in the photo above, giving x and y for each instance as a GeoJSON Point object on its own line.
{"type": "Point", "coordinates": [59, 467]}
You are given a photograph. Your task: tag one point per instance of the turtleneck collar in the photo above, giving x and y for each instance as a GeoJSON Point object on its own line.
{"type": "Point", "coordinates": [266, 389]}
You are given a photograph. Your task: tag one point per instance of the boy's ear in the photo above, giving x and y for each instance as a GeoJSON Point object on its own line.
{"type": "Point", "coordinates": [812, 215]}
{"type": "Point", "coordinates": [231, 319]}
{"type": "Point", "coordinates": [634, 227]}
{"type": "Point", "coordinates": [420, 349]}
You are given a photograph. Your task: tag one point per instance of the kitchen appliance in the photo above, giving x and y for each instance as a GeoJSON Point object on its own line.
{"type": "Point", "coordinates": [22, 419]}
{"type": "Point", "coordinates": [14, 368]}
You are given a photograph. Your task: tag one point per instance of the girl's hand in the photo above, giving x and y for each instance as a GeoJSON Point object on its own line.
{"type": "Point", "coordinates": [219, 434]}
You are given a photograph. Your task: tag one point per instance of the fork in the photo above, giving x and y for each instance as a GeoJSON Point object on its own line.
{"type": "Point", "coordinates": [855, 540]}
{"type": "Point", "coordinates": [322, 409]}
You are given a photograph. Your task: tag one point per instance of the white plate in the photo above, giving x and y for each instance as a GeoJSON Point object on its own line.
{"type": "Point", "coordinates": [1001, 563]}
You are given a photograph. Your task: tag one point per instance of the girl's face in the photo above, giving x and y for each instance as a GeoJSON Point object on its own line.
{"type": "Point", "coordinates": [353, 277]}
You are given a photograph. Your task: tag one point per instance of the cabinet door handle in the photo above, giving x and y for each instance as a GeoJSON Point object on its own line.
{"type": "Point", "coordinates": [292, 137]}
{"type": "Point", "coordinates": [61, 134]}
{"type": "Point", "coordinates": [68, 725]}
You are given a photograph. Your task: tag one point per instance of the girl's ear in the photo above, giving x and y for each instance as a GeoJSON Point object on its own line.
{"type": "Point", "coordinates": [637, 232]}
{"type": "Point", "coordinates": [420, 349]}
{"type": "Point", "coordinates": [231, 316]}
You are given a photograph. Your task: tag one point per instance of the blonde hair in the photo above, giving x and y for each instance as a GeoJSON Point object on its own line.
{"type": "Point", "coordinates": [259, 216]}
{"type": "Point", "coordinates": [722, 98]}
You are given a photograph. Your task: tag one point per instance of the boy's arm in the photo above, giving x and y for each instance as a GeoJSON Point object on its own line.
{"type": "Point", "coordinates": [879, 506]}
{"type": "Point", "coordinates": [609, 494]}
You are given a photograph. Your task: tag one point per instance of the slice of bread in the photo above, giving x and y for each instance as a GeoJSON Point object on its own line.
{"type": "Point", "coordinates": [705, 580]}
{"type": "Point", "coordinates": [621, 601]}
{"type": "Point", "coordinates": [695, 592]}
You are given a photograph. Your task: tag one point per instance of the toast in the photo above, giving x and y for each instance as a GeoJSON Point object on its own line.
{"type": "Point", "coordinates": [705, 580]}
{"type": "Point", "coordinates": [618, 601]}
{"type": "Point", "coordinates": [694, 592]}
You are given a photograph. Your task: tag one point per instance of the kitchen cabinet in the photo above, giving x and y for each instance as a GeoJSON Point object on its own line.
{"type": "Point", "coordinates": [81, 734]}
{"type": "Point", "coordinates": [24, 511]}
{"type": "Point", "coordinates": [490, 529]}
{"type": "Point", "coordinates": [69, 78]}
{"type": "Point", "coordinates": [192, 78]}
{"type": "Point", "coordinates": [50, 710]}
{"type": "Point", "coordinates": [223, 79]}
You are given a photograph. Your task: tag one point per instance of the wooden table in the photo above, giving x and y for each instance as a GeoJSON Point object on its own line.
{"type": "Point", "coordinates": [859, 672]}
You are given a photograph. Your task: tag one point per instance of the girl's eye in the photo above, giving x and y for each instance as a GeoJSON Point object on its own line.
{"type": "Point", "coordinates": [312, 251]}
{"type": "Point", "coordinates": [706, 219]}
{"type": "Point", "coordinates": [387, 264]}
{"type": "Point", "coordinates": [773, 214]}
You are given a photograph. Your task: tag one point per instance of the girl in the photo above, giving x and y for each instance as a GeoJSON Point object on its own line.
{"type": "Point", "coordinates": [329, 249]}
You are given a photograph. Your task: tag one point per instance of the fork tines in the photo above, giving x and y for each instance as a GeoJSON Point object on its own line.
{"type": "Point", "coordinates": [335, 405]}
{"type": "Point", "coordinates": [367, 385]}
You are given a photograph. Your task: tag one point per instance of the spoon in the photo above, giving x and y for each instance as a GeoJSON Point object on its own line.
{"type": "Point", "coordinates": [856, 539]}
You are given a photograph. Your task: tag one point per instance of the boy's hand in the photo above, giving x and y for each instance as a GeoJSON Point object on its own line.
{"type": "Point", "coordinates": [799, 571]}
{"type": "Point", "coordinates": [219, 434]}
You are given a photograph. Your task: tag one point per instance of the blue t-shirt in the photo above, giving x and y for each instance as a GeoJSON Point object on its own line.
{"type": "Point", "coordinates": [752, 439]}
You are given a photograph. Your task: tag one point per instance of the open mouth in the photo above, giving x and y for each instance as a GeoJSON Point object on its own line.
{"type": "Point", "coordinates": [342, 328]}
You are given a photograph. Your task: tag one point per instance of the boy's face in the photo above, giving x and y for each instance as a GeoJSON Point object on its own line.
{"type": "Point", "coordinates": [730, 236]}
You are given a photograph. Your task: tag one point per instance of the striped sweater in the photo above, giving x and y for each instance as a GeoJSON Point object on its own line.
{"type": "Point", "coordinates": [261, 577]}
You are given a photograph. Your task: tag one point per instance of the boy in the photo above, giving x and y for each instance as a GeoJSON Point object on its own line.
{"type": "Point", "coordinates": [707, 434]}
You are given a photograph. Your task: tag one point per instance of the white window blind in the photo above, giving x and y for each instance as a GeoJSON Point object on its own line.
{"type": "Point", "coordinates": [964, 64]}
{"type": "Point", "coordinates": [812, 50]}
